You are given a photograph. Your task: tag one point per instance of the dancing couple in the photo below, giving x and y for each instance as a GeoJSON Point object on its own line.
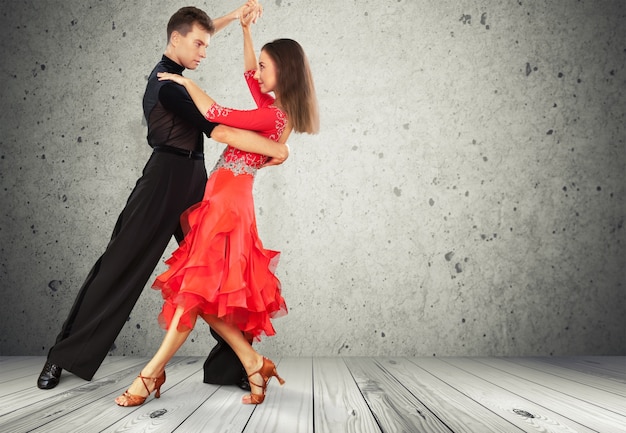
{"type": "Point", "coordinates": [221, 272]}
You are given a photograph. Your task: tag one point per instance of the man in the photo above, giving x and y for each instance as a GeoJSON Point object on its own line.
{"type": "Point", "coordinates": [173, 179]}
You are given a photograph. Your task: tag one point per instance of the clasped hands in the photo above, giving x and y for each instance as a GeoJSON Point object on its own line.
{"type": "Point", "coordinates": [250, 13]}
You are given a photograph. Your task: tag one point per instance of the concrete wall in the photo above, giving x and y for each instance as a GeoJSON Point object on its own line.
{"type": "Point", "coordinates": [465, 196]}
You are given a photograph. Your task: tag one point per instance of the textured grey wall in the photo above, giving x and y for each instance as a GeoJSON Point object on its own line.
{"type": "Point", "coordinates": [466, 195]}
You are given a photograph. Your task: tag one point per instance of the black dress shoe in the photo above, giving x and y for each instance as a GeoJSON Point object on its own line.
{"type": "Point", "coordinates": [49, 376]}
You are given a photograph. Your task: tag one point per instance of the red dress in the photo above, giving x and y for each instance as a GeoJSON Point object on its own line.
{"type": "Point", "coordinates": [221, 267]}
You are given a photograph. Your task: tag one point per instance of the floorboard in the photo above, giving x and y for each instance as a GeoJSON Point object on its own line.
{"type": "Point", "coordinates": [332, 395]}
{"type": "Point", "coordinates": [613, 368]}
{"type": "Point", "coordinates": [438, 392]}
{"type": "Point", "coordinates": [391, 403]}
{"type": "Point", "coordinates": [499, 391]}
{"type": "Point", "coordinates": [337, 402]}
{"type": "Point", "coordinates": [602, 383]}
{"type": "Point", "coordinates": [571, 405]}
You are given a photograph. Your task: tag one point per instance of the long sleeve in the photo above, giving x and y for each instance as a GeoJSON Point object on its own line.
{"type": "Point", "coordinates": [175, 98]}
{"type": "Point", "coordinates": [263, 119]}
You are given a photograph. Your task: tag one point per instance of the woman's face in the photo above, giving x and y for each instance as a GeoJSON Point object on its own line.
{"type": "Point", "coordinates": [266, 74]}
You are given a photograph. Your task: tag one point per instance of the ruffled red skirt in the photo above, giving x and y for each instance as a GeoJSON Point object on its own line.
{"type": "Point", "coordinates": [221, 267]}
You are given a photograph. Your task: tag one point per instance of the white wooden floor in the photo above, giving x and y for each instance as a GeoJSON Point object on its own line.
{"type": "Point", "coordinates": [334, 395]}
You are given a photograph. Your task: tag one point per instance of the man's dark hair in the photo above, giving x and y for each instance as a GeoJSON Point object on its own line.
{"type": "Point", "coordinates": [183, 20]}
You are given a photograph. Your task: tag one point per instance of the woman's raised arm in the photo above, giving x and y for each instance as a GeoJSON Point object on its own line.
{"type": "Point", "coordinates": [249, 56]}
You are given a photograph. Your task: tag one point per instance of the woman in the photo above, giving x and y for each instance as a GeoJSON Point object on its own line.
{"type": "Point", "coordinates": [221, 272]}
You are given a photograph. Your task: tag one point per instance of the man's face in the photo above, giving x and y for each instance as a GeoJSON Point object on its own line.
{"type": "Point", "coordinates": [191, 48]}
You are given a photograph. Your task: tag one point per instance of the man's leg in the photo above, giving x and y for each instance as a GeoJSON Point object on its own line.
{"type": "Point", "coordinates": [143, 230]}
{"type": "Point", "coordinates": [223, 367]}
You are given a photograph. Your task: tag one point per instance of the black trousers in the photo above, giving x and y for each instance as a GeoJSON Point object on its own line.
{"type": "Point", "coordinates": [168, 186]}
{"type": "Point", "coordinates": [222, 367]}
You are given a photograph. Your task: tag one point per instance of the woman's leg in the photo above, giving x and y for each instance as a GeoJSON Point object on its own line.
{"type": "Point", "coordinates": [172, 341]}
{"type": "Point", "coordinates": [252, 361]}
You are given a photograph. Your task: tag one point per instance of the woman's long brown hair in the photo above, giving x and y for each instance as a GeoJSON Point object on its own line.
{"type": "Point", "coordinates": [294, 84]}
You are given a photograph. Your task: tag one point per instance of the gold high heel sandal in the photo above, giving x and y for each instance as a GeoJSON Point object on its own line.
{"type": "Point", "coordinates": [267, 370]}
{"type": "Point", "coordinates": [137, 400]}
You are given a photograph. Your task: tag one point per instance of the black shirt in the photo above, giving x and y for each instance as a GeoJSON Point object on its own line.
{"type": "Point", "coordinates": [173, 119]}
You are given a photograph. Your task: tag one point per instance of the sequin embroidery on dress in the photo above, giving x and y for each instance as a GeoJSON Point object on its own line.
{"type": "Point", "coordinates": [238, 161]}
{"type": "Point", "coordinates": [245, 163]}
